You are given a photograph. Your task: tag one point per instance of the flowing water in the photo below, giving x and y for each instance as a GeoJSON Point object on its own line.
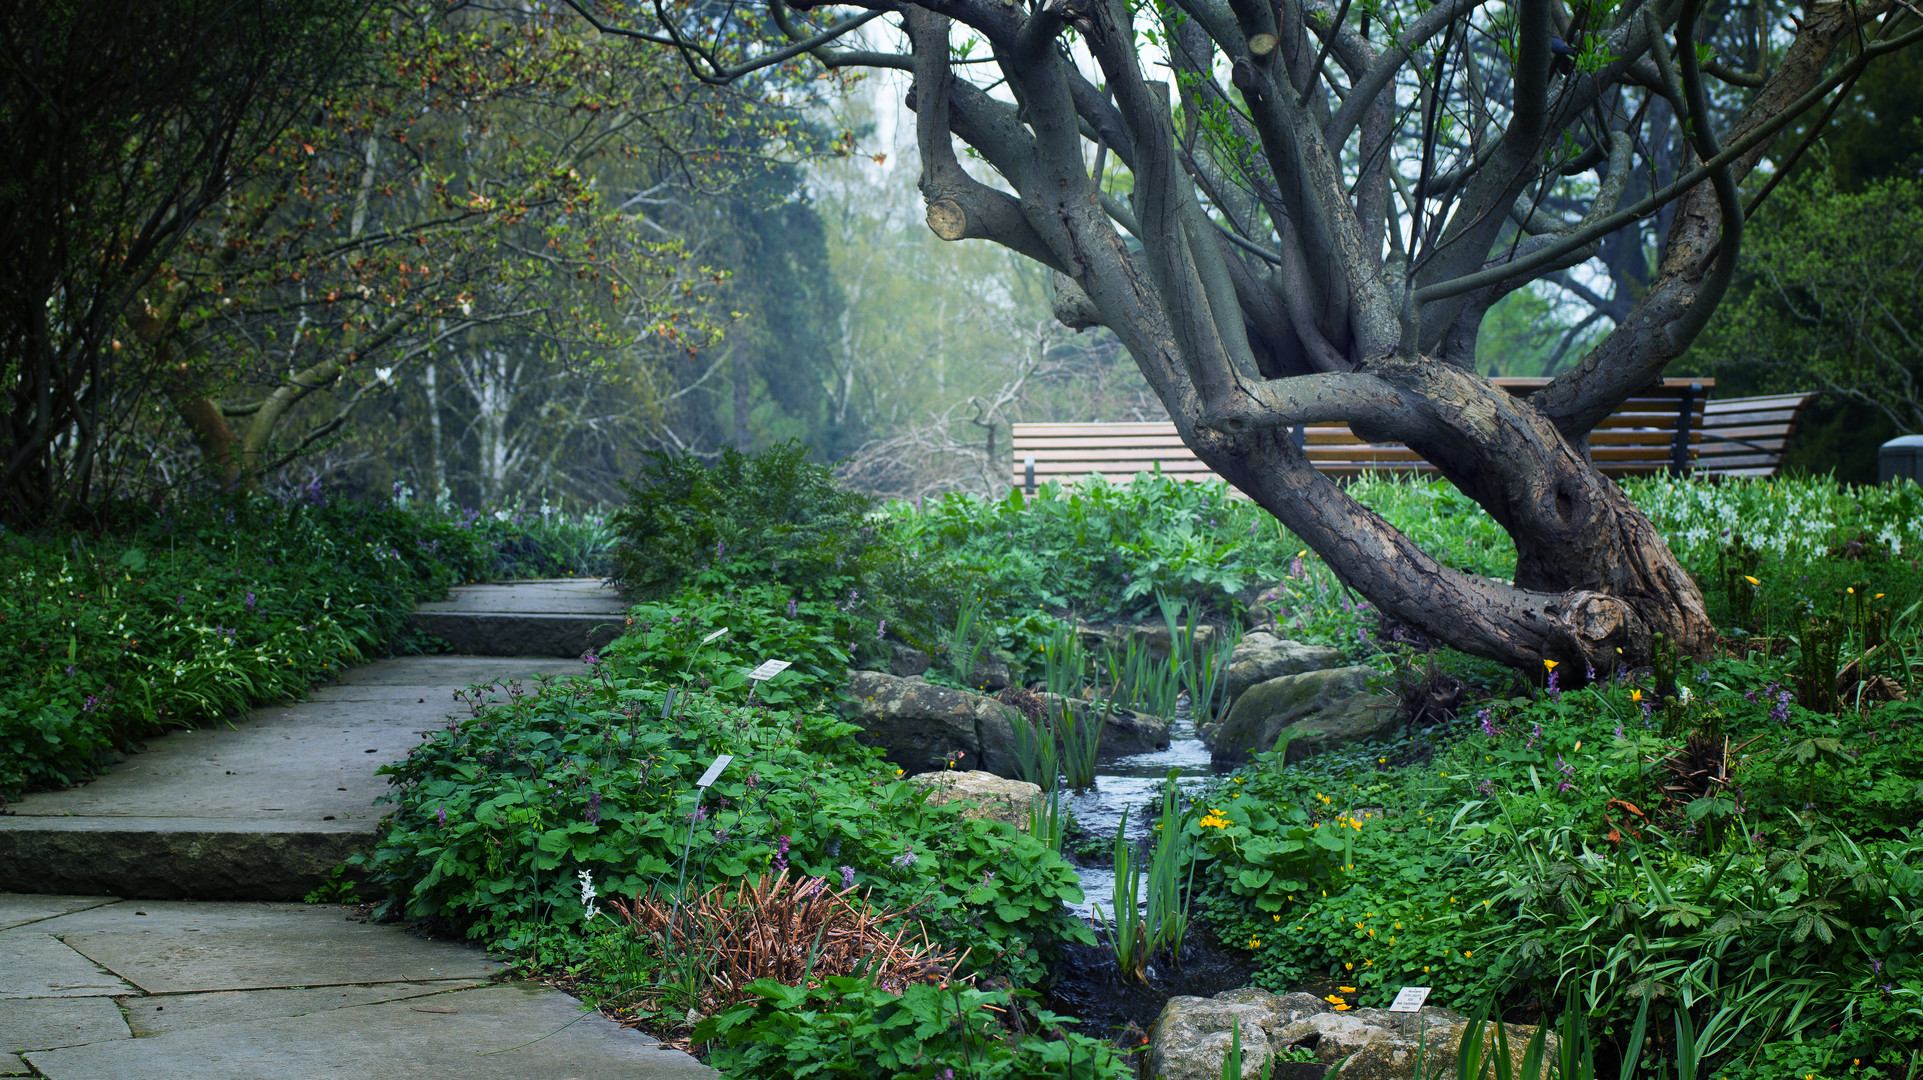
{"type": "Point", "coordinates": [1087, 983]}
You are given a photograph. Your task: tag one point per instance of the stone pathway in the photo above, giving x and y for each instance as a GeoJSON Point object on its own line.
{"type": "Point", "coordinates": [139, 936]}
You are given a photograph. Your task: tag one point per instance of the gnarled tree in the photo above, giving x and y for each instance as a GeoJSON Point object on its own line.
{"type": "Point", "coordinates": [1320, 211]}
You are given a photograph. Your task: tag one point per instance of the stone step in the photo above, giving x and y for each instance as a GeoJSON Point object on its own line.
{"type": "Point", "coordinates": [549, 617]}
{"type": "Point", "coordinates": [263, 809]}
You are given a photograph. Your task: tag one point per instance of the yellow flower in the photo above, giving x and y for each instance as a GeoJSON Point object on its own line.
{"type": "Point", "coordinates": [1341, 1008]}
{"type": "Point", "coordinates": [1851, 590]}
{"type": "Point", "coordinates": [1255, 943]}
{"type": "Point", "coordinates": [1398, 926]}
{"type": "Point", "coordinates": [1303, 554]}
{"type": "Point", "coordinates": [1372, 931]}
{"type": "Point", "coordinates": [1549, 665]}
{"type": "Point", "coordinates": [1878, 596]}
{"type": "Point", "coordinates": [1467, 953]}
{"type": "Point", "coordinates": [1425, 969]}
{"type": "Point", "coordinates": [1751, 580]}
{"type": "Point", "coordinates": [1635, 695]}
{"type": "Point", "coordinates": [897, 772]}
{"type": "Point", "coordinates": [1381, 761]}
{"type": "Point", "coordinates": [1333, 1000]}
{"type": "Point", "coordinates": [1346, 989]}
{"type": "Point", "coordinates": [1276, 918]}
{"type": "Point", "coordinates": [1348, 967]}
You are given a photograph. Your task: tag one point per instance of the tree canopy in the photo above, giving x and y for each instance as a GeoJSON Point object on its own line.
{"type": "Point", "coordinates": [1293, 214]}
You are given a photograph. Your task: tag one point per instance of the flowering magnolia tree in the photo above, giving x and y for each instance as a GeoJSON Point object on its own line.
{"type": "Point", "coordinates": [1300, 215]}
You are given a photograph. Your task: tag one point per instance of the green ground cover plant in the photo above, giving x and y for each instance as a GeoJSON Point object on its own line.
{"type": "Point", "coordinates": [1543, 852]}
{"type": "Point", "coordinates": [1570, 843]}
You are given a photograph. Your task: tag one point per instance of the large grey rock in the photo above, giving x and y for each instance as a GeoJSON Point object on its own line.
{"type": "Point", "coordinates": [919, 725]}
{"type": "Point", "coordinates": [1190, 1039]}
{"type": "Point", "coordinates": [1315, 711]}
{"type": "Point", "coordinates": [1155, 637]}
{"type": "Point", "coordinates": [989, 796]}
{"type": "Point", "coordinates": [906, 660]}
{"type": "Point", "coordinates": [1261, 656]}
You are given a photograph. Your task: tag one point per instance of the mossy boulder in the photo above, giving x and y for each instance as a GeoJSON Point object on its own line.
{"type": "Point", "coordinates": [1314, 710]}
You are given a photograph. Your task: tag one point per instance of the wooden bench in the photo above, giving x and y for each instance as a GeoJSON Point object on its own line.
{"type": "Point", "coordinates": [1658, 430]}
{"type": "Point", "coordinates": [1746, 436]}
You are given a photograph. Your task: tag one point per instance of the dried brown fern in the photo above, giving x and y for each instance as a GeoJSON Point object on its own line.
{"type": "Point", "coordinates": [794, 932]}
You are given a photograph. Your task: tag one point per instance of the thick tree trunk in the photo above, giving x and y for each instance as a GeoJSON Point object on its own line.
{"type": "Point", "coordinates": [1594, 579]}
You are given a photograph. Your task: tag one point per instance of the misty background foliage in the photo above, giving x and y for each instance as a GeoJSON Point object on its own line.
{"type": "Point", "coordinates": [506, 257]}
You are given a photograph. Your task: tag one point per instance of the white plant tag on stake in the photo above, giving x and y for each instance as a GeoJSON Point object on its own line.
{"type": "Point", "coordinates": [714, 771]}
{"type": "Point", "coordinates": [714, 635]}
{"type": "Point", "coordinates": [1409, 999]}
{"type": "Point", "coordinates": [769, 669]}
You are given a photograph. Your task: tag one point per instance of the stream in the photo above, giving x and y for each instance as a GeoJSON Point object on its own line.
{"type": "Point", "coordinates": [1087, 984]}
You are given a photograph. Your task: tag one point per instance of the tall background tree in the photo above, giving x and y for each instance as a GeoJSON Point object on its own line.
{"type": "Point", "coordinates": [1321, 208]}
{"type": "Point", "coordinates": [123, 123]}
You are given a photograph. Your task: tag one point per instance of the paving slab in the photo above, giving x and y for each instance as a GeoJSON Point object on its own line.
{"type": "Point", "coordinates": [559, 617]}
{"type": "Point", "coordinates": [11, 1064]}
{"type": "Point", "coordinates": [266, 808]}
{"type": "Point", "coordinates": [510, 1031]}
{"type": "Point", "coordinates": [19, 910]}
{"type": "Point", "coordinates": [50, 1023]}
{"type": "Point", "coordinates": [186, 946]}
{"type": "Point", "coordinates": [149, 1016]}
{"type": "Point", "coordinates": [35, 964]}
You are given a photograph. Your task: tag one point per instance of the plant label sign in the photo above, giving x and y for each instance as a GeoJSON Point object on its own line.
{"type": "Point", "coordinates": [769, 669]}
{"type": "Point", "coordinates": [1409, 999]}
{"type": "Point", "coordinates": [714, 771]}
{"type": "Point", "coordinates": [714, 635]}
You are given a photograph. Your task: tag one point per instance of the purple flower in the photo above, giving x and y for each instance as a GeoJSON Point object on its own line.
{"type": "Point", "coordinates": [700, 812]}
{"type": "Point", "coordinates": [593, 814]}
{"type": "Point", "coordinates": [791, 607]}
{"type": "Point", "coordinates": [881, 630]}
{"type": "Point", "coordinates": [905, 860]}
{"type": "Point", "coordinates": [590, 658]}
{"type": "Point", "coordinates": [847, 877]}
{"type": "Point", "coordinates": [1362, 635]}
{"type": "Point", "coordinates": [720, 549]}
{"type": "Point", "coordinates": [70, 670]}
{"type": "Point", "coordinates": [1554, 687]}
{"type": "Point", "coordinates": [91, 704]}
{"type": "Point", "coordinates": [250, 601]}
{"type": "Point", "coordinates": [781, 854]}
{"type": "Point", "coordinates": [1489, 727]}
{"type": "Point", "coordinates": [440, 816]}
{"type": "Point", "coordinates": [1534, 734]}
{"type": "Point", "coordinates": [1295, 567]}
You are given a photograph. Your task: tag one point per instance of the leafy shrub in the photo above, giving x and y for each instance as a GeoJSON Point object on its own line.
{"type": "Point", "coordinates": [847, 1027]}
{"type": "Point", "coordinates": [498, 814]}
{"type": "Point", "coordinates": [776, 518]}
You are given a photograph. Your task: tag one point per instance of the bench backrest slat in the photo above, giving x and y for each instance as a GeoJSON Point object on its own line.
{"type": "Point", "coordinates": [1743, 436]}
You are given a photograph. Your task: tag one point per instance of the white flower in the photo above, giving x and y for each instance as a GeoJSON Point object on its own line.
{"type": "Point", "coordinates": [587, 895]}
{"type": "Point", "coordinates": [384, 374]}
